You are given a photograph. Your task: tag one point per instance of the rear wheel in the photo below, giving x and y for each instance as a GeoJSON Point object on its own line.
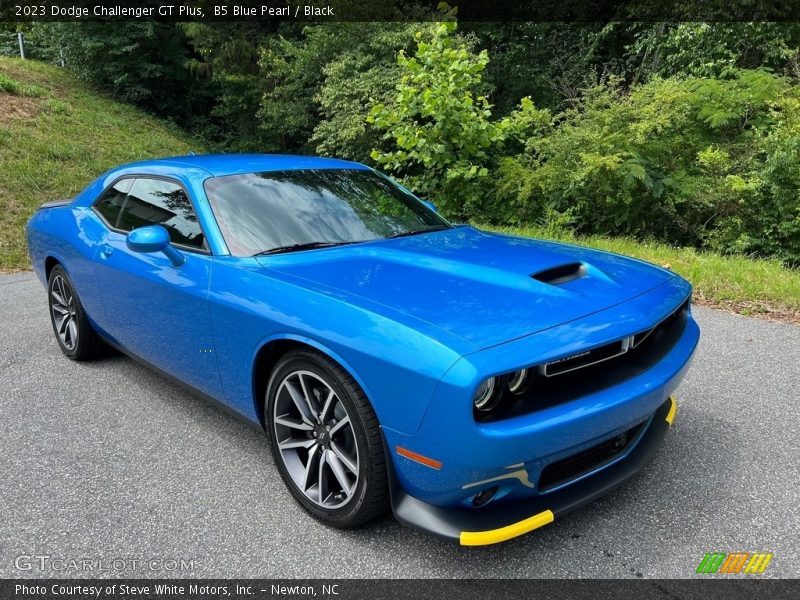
{"type": "Point", "coordinates": [74, 333]}
{"type": "Point", "coordinates": [326, 440]}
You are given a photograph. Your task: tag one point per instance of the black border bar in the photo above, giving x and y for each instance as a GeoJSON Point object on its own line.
{"type": "Point", "coordinates": [400, 10]}
{"type": "Point", "coordinates": [417, 589]}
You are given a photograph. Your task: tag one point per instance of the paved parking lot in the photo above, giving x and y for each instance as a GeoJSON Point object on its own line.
{"type": "Point", "coordinates": [106, 460]}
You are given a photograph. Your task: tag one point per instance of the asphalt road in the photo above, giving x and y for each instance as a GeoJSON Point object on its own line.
{"type": "Point", "coordinates": [107, 460]}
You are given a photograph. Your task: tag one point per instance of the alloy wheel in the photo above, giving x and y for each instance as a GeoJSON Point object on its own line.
{"type": "Point", "coordinates": [315, 439]}
{"type": "Point", "coordinates": [64, 312]}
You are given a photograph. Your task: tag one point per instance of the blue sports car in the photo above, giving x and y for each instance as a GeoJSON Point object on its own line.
{"type": "Point", "coordinates": [479, 384]}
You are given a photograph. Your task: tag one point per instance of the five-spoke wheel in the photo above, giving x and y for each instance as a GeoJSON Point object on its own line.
{"type": "Point", "coordinates": [62, 308]}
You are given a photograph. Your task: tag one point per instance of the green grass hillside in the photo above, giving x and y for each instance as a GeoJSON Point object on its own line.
{"type": "Point", "coordinates": [57, 135]}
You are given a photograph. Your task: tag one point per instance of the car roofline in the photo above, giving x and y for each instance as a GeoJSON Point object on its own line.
{"type": "Point", "coordinates": [220, 165]}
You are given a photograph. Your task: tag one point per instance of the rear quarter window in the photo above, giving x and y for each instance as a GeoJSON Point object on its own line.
{"type": "Point", "coordinates": [110, 203]}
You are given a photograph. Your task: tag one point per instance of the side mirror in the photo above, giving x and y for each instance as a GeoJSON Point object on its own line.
{"type": "Point", "coordinates": [154, 238]}
{"type": "Point", "coordinates": [430, 205]}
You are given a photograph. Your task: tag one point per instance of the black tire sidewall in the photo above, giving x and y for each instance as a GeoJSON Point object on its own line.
{"type": "Point", "coordinates": [296, 361]}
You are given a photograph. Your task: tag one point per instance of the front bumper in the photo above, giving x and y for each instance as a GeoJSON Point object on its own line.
{"type": "Point", "coordinates": [471, 456]}
{"type": "Point", "coordinates": [498, 522]}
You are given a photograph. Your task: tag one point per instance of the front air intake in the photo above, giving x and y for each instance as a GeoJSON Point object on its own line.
{"type": "Point", "coordinates": [574, 466]}
{"type": "Point", "coordinates": [561, 274]}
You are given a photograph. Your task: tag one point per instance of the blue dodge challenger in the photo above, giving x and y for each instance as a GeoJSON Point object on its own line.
{"type": "Point", "coordinates": [479, 384]}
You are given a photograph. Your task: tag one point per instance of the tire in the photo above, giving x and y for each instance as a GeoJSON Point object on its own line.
{"type": "Point", "coordinates": [74, 333]}
{"type": "Point", "coordinates": [316, 413]}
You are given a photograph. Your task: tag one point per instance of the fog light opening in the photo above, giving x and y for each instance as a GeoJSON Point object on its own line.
{"type": "Point", "coordinates": [484, 496]}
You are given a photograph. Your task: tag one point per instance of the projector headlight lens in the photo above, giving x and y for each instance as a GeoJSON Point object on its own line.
{"type": "Point", "coordinates": [518, 381]}
{"type": "Point", "coordinates": [487, 395]}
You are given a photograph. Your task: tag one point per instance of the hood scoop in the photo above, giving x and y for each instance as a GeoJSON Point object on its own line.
{"type": "Point", "coordinates": [561, 274]}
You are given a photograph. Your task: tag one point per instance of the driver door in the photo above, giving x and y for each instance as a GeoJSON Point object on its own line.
{"type": "Point", "coordinates": [154, 309]}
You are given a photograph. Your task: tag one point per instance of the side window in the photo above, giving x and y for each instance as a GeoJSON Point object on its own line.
{"type": "Point", "coordinates": [158, 202]}
{"type": "Point", "coordinates": [110, 204]}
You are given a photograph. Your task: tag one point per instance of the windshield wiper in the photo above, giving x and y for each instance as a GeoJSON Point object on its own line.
{"type": "Point", "coordinates": [418, 231]}
{"type": "Point", "coordinates": [312, 245]}
{"type": "Point", "coordinates": [296, 247]}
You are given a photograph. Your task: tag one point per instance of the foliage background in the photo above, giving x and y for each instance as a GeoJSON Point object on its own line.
{"type": "Point", "coordinates": [681, 132]}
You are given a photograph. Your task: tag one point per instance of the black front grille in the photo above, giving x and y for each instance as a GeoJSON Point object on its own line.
{"type": "Point", "coordinates": [586, 373]}
{"type": "Point", "coordinates": [584, 359]}
{"type": "Point", "coordinates": [578, 464]}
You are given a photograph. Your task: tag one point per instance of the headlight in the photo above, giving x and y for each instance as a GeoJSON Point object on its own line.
{"type": "Point", "coordinates": [518, 381]}
{"type": "Point", "coordinates": [487, 395]}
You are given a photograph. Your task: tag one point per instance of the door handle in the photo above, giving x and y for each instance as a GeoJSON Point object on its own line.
{"type": "Point", "coordinates": [106, 250]}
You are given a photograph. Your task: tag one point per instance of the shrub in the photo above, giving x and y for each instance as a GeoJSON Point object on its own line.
{"type": "Point", "coordinates": [694, 161]}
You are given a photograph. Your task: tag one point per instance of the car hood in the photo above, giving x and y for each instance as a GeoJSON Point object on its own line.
{"type": "Point", "coordinates": [485, 288]}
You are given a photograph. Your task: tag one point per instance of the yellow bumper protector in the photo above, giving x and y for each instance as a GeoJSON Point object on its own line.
{"type": "Point", "coordinates": [672, 410]}
{"type": "Point", "coordinates": [494, 536]}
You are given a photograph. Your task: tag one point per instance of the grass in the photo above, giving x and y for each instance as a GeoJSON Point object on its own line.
{"type": "Point", "coordinates": [17, 88]}
{"type": "Point", "coordinates": [56, 136]}
{"type": "Point", "coordinates": [745, 285]}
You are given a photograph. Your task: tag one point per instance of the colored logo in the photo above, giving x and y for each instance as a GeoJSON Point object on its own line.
{"type": "Point", "coordinates": [734, 562]}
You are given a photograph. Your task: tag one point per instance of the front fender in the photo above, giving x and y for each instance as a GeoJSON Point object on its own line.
{"type": "Point", "coordinates": [397, 366]}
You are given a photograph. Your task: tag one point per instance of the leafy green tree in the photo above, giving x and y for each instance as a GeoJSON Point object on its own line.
{"type": "Point", "coordinates": [363, 74]}
{"type": "Point", "coordinates": [292, 69]}
{"type": "Point", "coordinates": [443, 140]}
{"type": "Point", "coordinates": [226, 57]}
{"type": "Point", "coordinates": [709, 49]}
{"type": "Point", "coordinates": [766, 219]}
{"type": "Point", "coordinates": [548, 62]}
{"type": "Point", "coordinates": [138, 62]}
{"type": "Point", "coordinates": [321, 82]}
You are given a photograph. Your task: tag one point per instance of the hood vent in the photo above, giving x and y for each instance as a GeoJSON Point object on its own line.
{"type": "Point", "coordinates": [561, 274]}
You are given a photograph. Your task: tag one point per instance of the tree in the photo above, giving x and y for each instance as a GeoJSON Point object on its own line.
{"type": "Point", "coordinates": [709, 49]}
{"type": "Point", "coordinates": [365, 73]}
{"type": "Point", "coordinates": [138, 62]}
{"type": "Point", "coordinates": [443, 141]}
{"type": "Point", "coordinates": [690, 160]}
{"type": "Point", "coordinates": [226, 56]}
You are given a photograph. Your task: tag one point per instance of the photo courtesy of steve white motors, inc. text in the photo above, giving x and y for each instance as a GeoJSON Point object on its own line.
{"type": "Point", "coordinates": [174, 589]}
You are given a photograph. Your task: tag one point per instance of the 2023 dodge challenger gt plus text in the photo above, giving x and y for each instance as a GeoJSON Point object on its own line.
{"type": "Point", "coordinates": [479, 384]}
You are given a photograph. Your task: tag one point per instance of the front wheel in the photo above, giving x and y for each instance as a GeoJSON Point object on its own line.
{"type": "Point", "coordinates": [326, 440]}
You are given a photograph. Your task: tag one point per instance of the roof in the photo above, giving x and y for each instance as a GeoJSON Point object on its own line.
{"type": "Point", "coordinates": [231, 164]}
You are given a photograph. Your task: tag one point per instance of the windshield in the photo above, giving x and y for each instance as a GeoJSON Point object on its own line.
{"type": "Point", "coordinates": [294, 210]}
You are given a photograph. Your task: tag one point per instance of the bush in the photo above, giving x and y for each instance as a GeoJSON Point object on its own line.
{"type": "Point", "coordinates": [693, 161]}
